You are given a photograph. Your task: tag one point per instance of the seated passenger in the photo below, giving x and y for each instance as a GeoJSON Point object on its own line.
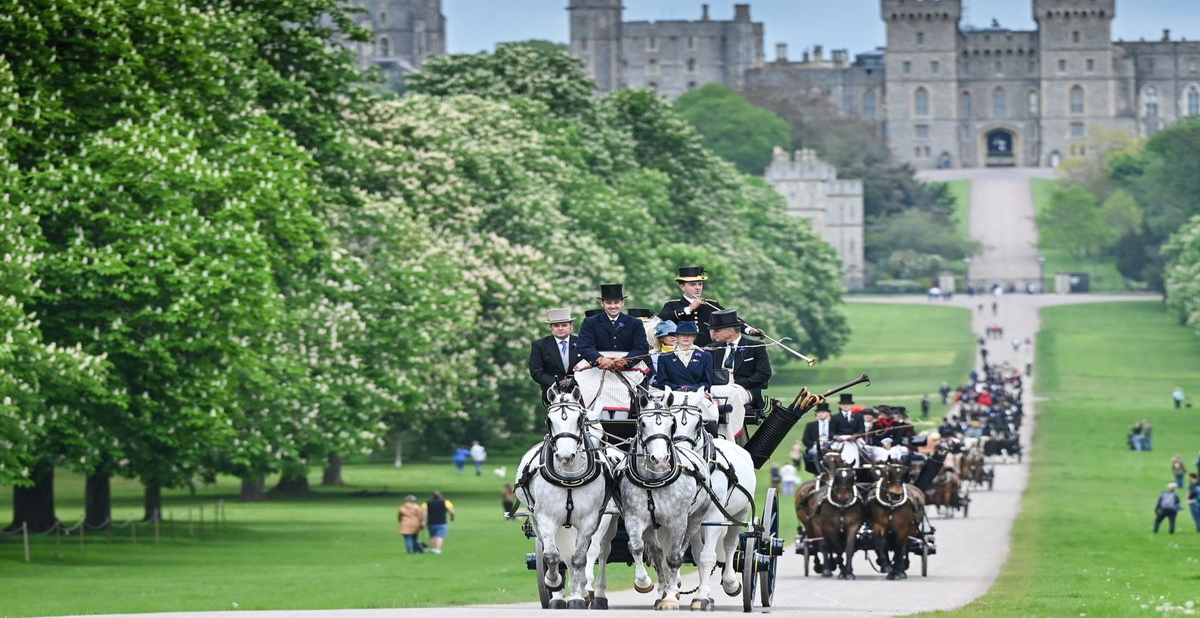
{"type": "Point", "coordinates": [686, 368]}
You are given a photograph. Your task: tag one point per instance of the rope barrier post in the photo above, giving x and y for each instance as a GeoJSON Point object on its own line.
{"type": "Point", "coordinates": [25, 535]}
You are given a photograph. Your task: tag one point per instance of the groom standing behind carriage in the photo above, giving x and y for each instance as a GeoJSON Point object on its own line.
{"type": "Point", "coordinates": [692, 307]}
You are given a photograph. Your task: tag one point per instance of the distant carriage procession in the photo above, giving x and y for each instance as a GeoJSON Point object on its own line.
{"type": "Point", "coordinates": [649, 459]}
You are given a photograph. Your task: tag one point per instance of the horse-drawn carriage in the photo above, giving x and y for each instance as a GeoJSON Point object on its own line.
{"type": "Point", "coordinates": [639, 479]}
{"type": "Point", "coordinates": [874, 509]}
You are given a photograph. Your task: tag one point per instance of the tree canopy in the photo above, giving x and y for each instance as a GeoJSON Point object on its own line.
{"type": "Point", "coordinates": [733, 128]}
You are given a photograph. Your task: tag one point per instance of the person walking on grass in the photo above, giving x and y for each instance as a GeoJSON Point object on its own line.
{"type": "Point", "coordinates": [460, 459]}
{"type": "Point", "coordinates": [1167, 507]}
{"type": "Point", "coordinates": [412, 519]}
{"type": "Point", "coordinates": [478, 456]}
{"type": "Point", "coordinates": [1178, 469]}
{"type": "Point", "coordinates": [1194, 500]}
{"type": "Point", "coordinates": [1177, 397]}
{"type": "Point", "coordinates": [437, 510]}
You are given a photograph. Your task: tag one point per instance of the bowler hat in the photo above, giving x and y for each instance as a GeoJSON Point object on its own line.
{"type": "Point", "coordinates": [640, 313]}
{"type": "Point", "coordinates": [611, 291]}
{"type": "Point", "coordinates": [846, 399]}
{"type": "Point", "coordinates": [664, 329]}
{"type": "Point", "coordinates": [823, 407]}
{"type": "Point", "coordinates": [558, 316]}
{"type": "Point", "coordinates": [689, 274]}
{"type": "Point", "coordinates": [686, 328]}
{"type": "Point", "coordinates": [725, 318]}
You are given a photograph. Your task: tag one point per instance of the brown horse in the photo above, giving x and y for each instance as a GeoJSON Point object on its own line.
{"type": "Point", "coordinates": [896, 510]}
{"type": "Point", "coordinates": [944, 492]}
{"type": "Point", "coordinates": [836, 519]}
{"type": "Point", "coordinates": [809, 493]}
{"type": "Point", "coordinates": [973, 464]}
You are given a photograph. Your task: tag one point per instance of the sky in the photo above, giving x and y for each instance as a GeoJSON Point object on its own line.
{"type": "Point", "coordinates": [477, 25]}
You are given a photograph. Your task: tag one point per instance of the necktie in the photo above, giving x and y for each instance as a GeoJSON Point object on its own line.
{"type": "Point", "coordinates": [728, 363]}
{"type": "Point", "coordinates": [562, 351]}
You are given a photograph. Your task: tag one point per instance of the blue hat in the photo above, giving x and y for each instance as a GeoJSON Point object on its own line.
{"type": "Point", "coordinates": [663, 329]}
{"type": "Point", "coordinates": [686, 328]}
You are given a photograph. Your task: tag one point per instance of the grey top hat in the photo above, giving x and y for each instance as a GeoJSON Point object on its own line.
{"type": "Point", "coordinates": [559, 315]}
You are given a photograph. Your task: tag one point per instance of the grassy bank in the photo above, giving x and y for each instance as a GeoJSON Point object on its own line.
{"type": "Point", "coordinates": [1082, 545]}
{"type": "Point", "coordinates": [337, 548]}
{"type": "Point", "coordinates": [1102, 271]}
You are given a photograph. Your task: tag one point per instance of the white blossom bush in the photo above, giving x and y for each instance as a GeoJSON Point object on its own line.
{"type": "Point", "coordinates": [1182, 273]}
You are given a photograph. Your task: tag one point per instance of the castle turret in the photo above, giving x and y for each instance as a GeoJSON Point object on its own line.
{"type": "Point", "coordinates": [922, 79]}
{"type": "Point", "coordinates": [596, 38]}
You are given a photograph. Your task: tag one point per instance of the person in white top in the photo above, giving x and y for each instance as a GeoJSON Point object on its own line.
{"type": "Point", "coordinates": [478, 456]}
{"type": "Point", "coordinates": [790, 478]}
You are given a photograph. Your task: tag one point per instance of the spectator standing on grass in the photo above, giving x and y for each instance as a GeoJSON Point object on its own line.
{"type": "Point", "coordinates": [1193, 499]}
{"type": "Point", "coordinates": [1178, 469]}
{"type": "Point", "coordinates": [412, 519]}
{"type": "Point", "coordinates": [439, 512]}
{"type": "Point", "coordinates": [798, 453]}
{"type": "Point", "coordinates": [478, 456]}
{"type": "Point", "coordinates": [945, 391]}
{"type": "Point", "coordinates": [1147, 434]}
{"type": "Point", "coordinates": [1167, 507]}
{"type": "Point", "coordinates": [508, 498]}
{"type": "Point", "coordinates": [460, 458]}
{"type": "Point", "coordinates": [776, 476]}
{"type": "Point", "coordinates": [925, 407]}
{"type": "Point", "coordinates": [791, 478]}
{"type": "Point", "coordinates": [1177, 396]}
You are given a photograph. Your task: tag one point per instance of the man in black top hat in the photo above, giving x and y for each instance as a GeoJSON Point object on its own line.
{"type": "Point", "coordinates": [613, 331]}
{"type": "Point", "coordinates": [692, 307]}
{"type": "Point", "coordinates": [553, 358]}
{"type": "Point", "coordinates": [845, 423]}
{"type": "Point", "coordinates": [739, 361]}
{"type": "Point", "coordinates": [816, 434]}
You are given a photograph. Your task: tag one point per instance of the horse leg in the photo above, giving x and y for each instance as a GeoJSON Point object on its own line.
{"type": "Point", "coordinates": [672, 548]}
{"type": "Point", "coordinates": [636, 527]}
{"type": "Point", "coordinates": [601, 548]}
{"type": "Point", "coordinates": [704, 552]}
{"type": "Point", "coordinates": [730, 582]}
{"type": "Point", "coordinates": [881, 550]}
{"type": "Point", "coordinates": [547, 532]}
{"type": "Point", "coordinates": [851, 539]}
{"type": "Point", "coordinates": [901, 559]}
{"type": "Point", "coordinates": [587, 525]}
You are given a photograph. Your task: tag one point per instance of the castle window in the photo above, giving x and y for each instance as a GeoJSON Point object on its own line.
{"type": "Point", "coordinates": [966, 105]}
{"type": "Point", "coordinates": [691, 42]}
{"type": "Point", "coordinates": [1032, 68]}
{"type": "Point", "coordinates": [651, 43]}
{"type": "Point", "coordinates": [999, 103]}
{"type": "Point", "coordinates": [923, 131]}
{"type": "Point", "coordinates": [1062, 66]}
{"type": "Point", "coordinates": [383, 17]}
{"type": "Point", "coordinates": [1091, 65]}
{"type": "Point", "coordinates": [1077, 100]}
{"type": "Point", "coordinates": [1193, 101]}
{"type": "Point", "coordinates": [384, 48]}
{"type": "Point", "coordinates": [908, 67]}
{"type": "Point", "coordinates": [1150, 65]}
{"type": "Point", "coordinates": [1193, 66]}
{"type": "Point", "coordinates": [652, 67]}
{"type": "Point", "coordinates": [653, 86]}
{"type": "Point", "coordinates": [1077, 129]}
{"type": "Point", "coordinates": [935, 66]}
{"type": "Point", "coordinates": [999, 68]}
{"type": "Point", "coordinates": [583, 44]}
{"type": "Point", "coordinates": [922, 102]}
{"type": "Point", "coordinates": [1075, 37]}
{"type": "Point", "coordinates": [966, 67]}
{"type": "Point", "coordinates": [1032, 100]}
{"type": "Point", "coordinates": [691, 85]}
{"type": "Point", "coordinates": [1150, 102]}
{"type": "Point", "coordinates": [920, 38]}
{"type": "Point", "coordinates": [691, 65]}
{"type": "Point", "coordinates": [869, 104]}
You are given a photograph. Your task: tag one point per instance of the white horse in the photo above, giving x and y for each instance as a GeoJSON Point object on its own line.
{"type": "Point", "coordinates": [663, 503]}
{"type": "Point", "coordinates": [733, 482]}
{"type": "Point", "coordinates": [564, 484]}
{"type": "Point", "coordinates": [608, 393]}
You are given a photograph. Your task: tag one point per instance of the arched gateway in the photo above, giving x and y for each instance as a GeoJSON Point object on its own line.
{"type": "Point", "coordinates": [1001, 148]}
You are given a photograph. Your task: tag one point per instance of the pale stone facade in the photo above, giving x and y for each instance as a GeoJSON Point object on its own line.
{"type": "Point", "coordinates": [405, 33]}
{"type": "Point", "coordinates": [834, 206]}
{"type": "Point", "coordinates": [942, 94]}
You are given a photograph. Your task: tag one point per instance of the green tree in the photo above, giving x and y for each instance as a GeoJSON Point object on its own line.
{"type": "Point", "coordinates": [1073, 222]}
{"type": "Point", "coordinates": [733, 128]}
{"type": "Point", "coordinates": [1182, 273]}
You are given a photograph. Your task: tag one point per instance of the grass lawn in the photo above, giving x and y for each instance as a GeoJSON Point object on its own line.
{"type": "Point", "coordinates": [961, 190]}
{"type": "Point", "coordinates": [1102, 271]}
{"type": "Point", "coordinates": [334, 550]}
{"type": "Point", "coordinates": [1083, 544]}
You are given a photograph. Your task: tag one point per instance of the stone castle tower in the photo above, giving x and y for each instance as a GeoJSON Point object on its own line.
{"type": "Point", "coordinates": [596, 38]}
{"type": "Point", "coordinates": [405, 33]}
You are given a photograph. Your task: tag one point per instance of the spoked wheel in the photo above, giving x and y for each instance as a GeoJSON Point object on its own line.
{"type": "Point", "coordinates": [924, 558]}
{"type": "Point", "coordinates": [749, 553]}
{"type": "Point", "coordinates": [543, 591]}
{"type": "Point", "coordinates": [770, 522]}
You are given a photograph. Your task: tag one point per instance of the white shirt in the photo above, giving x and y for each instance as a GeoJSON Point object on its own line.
{"type": "Point", "coordinates": [478, 453]}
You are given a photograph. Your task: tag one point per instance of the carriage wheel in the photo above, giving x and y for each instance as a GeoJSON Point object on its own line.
{"type": "Point", "coordinates": [1019, 455]}
{"type": "Point", "coordinates": [749, 557]}
{"type": "Point", "coordinates": [543, 591]}
{"type": "Point", "coordinates": [766, 581]}
{"type": "Point", "coordinates": [924, 558]}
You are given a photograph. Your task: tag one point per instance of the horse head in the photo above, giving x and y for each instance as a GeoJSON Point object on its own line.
{"type": "Point", "coordinates": [565, 422]}
{"type": "Point", "coordinates": [895, 476]}
{"type": "Point", "coordinates": [832, 461]}
{"type": "Point", "coordinates": [689, 419]}
{"type": "Point", "coordinates": [655, 437]}
{"type": "Point", "coordinates": [842, 486]}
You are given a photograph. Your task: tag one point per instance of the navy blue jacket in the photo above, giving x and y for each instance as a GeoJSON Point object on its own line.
{"type": "Point", "coordinates": [597, 335]}
{"type": "Point", "coordinates": [697, 374]}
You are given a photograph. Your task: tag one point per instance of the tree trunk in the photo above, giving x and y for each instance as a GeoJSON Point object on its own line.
{"type": "Point", "coordinates": [291, 483]}
{"type": "Point", "coordinates": [254, 489]}
{"type": "Point", "coordinates": [152, 502]}
{"type": "Point", "coordinates": [97, 498]}
{"type": "Point", "coordinates": [399, 450]}
{"type": "Point", "coordinates": [333, 472]}
{"type": "Point", "coordinates": [35, 505]}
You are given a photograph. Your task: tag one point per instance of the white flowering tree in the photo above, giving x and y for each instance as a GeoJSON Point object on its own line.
{"type": "Point", "coordinates": [1182, 273]}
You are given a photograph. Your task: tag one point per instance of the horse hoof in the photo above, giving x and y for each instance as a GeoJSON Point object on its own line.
{"type": "Point", "coordinates": [902, 575]}
{"type": "Point", "coordinates": [643, 589]}
{"type": "Point", "coordinates": [733, 589]}
{"type": "Point", "coordinates": [892, 577]}
{"type": "Point", "coordinates": [558, 604]}
{"type": "Point", "coordinates": [851, 576]}
{"type": "Point", "coordinates": [600, 603]}
{"type": "Point", "coordinates": [702, 605]}
{"type": "Point", "coordinates": [826, 573]}
{"type": "Point", "coordinates": [667, 605]}
{"type": "Point", "coordinates": [576, 604]}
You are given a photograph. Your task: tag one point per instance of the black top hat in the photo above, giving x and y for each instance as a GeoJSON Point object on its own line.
{"type": "Point", "coordinates": [822, 407]}
{"type": "Point", "coordinates": [638, 312]}
{"type": "Point", "coordinates": [846, 399]}
{"type": "Point", "coordinates": [611, 291]}
{"type": "Point", "coordinates": [691, 273]}
{"type": "Point", "coordinates": [591, 312]}
{"type": "Point", "coordinates": [726, 318]}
